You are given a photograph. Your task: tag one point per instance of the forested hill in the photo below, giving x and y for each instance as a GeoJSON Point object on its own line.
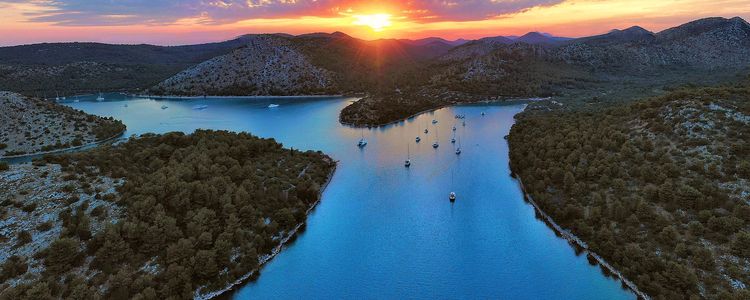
{"type": "Point", "coordinates": [660, 188]}
{"type": "Point", "coordinates": [619, 64]}
{"type": "Point", "coordinates": [30, 125]}
{"type": "Point", "coordinates": [66, 53]}
{"type": "Point", "coordinates": [306, 64]}
{"type": "Point", "coordinates": [199, 212]}
{"type": "Point", "coordinates": [69, 68]}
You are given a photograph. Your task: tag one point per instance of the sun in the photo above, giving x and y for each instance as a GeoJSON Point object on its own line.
{"type": "Point", "coordinates": [377, 22]}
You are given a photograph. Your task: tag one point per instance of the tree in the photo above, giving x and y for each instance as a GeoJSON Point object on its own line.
{"type": "Point", "coordinates": [741, 244]}
{"type": "Point", "coordinates": [205, 264]}
{"type": "Point", "coordinates": [62, 255]}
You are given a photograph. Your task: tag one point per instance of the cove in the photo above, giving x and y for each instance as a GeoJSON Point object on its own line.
{"type": "Point", "coordinates": [386, 231]}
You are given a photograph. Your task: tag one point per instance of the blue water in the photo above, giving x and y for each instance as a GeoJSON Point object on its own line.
{"type": "Point", "coordinates": [385, 231]}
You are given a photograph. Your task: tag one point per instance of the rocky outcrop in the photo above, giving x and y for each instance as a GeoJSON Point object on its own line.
{"type": "Point", "coordinates": [712, 43]}
{"type": "Point", "coordinates": [267, 65]}
{"type": "Point", "coordinates": [39, 204]}
{"type": "Point", "coordinates": [29, 126]}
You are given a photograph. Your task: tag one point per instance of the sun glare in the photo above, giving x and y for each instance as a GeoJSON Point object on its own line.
{"type": "Point", "coordinates": [377, 22]}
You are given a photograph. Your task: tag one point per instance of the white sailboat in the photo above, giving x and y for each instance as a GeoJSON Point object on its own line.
{"type": "Point", "coordinates": [435, 144]}
{"type": "Point", "coordinates": [458, 150]}
{"type": "Point", "coordinates": [452, 195]}
{"type": "Point", "coordinates": [100, 97]}
{"type": "Point", "coordinates": [362, 141]}
{"type": "Point", "coordinates": [407, 163]}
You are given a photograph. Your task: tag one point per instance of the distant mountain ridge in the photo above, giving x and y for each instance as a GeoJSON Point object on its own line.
{"type": "Point", "coordinates": [707, 44]}
{"type": "Point", "coordinates": [341, 63]}
{"type": "Point", "coordinates": [266, 65]}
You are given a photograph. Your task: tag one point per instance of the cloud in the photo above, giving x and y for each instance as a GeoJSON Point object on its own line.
{"type": "Point", "coordinates": [128, 12]}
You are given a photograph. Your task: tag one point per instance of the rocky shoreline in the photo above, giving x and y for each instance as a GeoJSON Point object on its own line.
{"type": "Point", "coordinates": [96, 143]}
{"type": "Point", "coordinates": [177, 97]}
{"type": "Point", "coordinates": [577, 242]}
{"type": "Point", "coordinates": [367, 125]}
{"type": "Point", "coordinates": [267, 257]}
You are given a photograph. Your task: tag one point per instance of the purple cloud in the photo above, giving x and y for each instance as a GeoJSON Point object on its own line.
{"type": "Point", "coordinates": [128, 12]}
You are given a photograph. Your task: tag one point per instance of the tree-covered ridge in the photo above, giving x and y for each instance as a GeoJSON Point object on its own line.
{"type": "Point", "coordinates": [659, 187]}
{"type": "Point", "coordinates": [200, 211]}
{"type": "Point", "coordinates": [31, 125]}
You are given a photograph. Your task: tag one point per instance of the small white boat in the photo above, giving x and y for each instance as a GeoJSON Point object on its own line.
{"type": "Point", "coordinates": [434, 121]}
{"type": "Point", "coordinates": [200, 107]}
{"type": "Point", "coordinates": [435, 144]}
{"type": "Point", "coordinates": [453, 140]}
{"type": "Point", "coordinates": [454, 128]}
{"type": "Point", "coordinates": [362, 141]}
{"type": "Point", "coordinates": [273, 105]}
{"type": "Point", "coordinates": [100, 97]}
{"type": "Point", "coordinates": [164, 107]}
{"type": "Point", "coordinates": [407, 162]}
{"type": "Point", "coordinates": [418, 139]}
{"type": "Point", "coordinates": [76, 100]}
{"type": "Point", "coordinates": [452, 195]}
{"type": "Point", "coordinates": [458, 151]}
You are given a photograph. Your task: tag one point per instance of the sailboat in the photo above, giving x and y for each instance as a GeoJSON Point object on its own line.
{"type": "Point", "coordinates": [435, 144]}
{"type": "Point", "coordinates": [57, 96]}
{"type": "Point", "coordinates": [100, 98]}
{"type": "Point", "coordinates": [362, 141]}
{"type": "Point", "coordinates": [452, 195]}
{"type": "Point", "coordinates": [458, 150]}
{"type": "Point", "coordinates": [407, 163]}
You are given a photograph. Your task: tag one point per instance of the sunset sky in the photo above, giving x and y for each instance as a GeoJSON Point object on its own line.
{"type": "Point", "coordinates": [174, 22]}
